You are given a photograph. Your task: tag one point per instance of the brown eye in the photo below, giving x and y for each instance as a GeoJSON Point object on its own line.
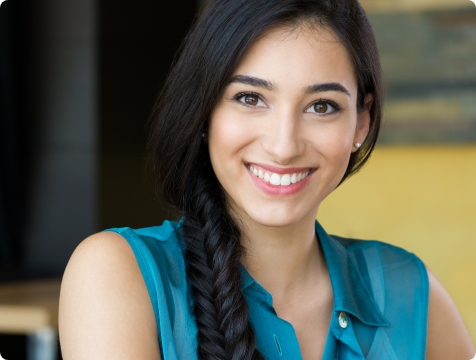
{"type": "Point", "coordinates": [321, 107]}
{"type": "Point", "coordinates": [251, 100]}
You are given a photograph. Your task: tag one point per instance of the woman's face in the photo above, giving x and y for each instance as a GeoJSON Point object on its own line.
{"type": "Point", "coordinates": [282, 133]}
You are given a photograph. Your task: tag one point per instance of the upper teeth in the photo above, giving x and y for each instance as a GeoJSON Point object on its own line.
{"type": "Point", "coordinates": [276, 179]}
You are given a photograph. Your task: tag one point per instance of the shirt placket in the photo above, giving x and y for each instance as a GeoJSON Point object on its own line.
{"type": "Point", "coordinates": [344, 345]}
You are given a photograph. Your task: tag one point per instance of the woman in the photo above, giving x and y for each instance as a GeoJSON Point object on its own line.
{"type": "Point", "coordinates": [271, 105]}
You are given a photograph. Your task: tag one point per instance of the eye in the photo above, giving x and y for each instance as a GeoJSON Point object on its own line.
{"type": "Point", "coordinates": [323, 107]}
{"type": "Point", "coordinates": [250, 99]}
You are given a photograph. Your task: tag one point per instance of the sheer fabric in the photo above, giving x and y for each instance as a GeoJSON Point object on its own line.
{"type": "Point", "coordinates": [380, 299]}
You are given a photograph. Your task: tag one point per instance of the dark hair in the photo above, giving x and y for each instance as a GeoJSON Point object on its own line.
{"type": "Point", "coordinates": [209, 55]}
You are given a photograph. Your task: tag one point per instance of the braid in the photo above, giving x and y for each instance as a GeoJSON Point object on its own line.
{"type": "Point", "coordinates": [208, 57]}
{"type": "Point", "coordinates": [213, 259]}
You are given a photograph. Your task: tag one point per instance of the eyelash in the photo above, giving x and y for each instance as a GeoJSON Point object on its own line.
{"type": "Point", "coordinates": [336, 107]}
{"type": "Point", "coordinates": [240, 95]}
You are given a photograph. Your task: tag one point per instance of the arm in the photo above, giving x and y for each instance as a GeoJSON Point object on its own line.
{"type": "Point", "coordinates": [447, 335]}
{"type": "Point", "coordinates": [105, 310]}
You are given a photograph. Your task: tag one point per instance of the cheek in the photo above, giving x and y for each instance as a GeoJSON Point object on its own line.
{"type": "Point", "coordinates": [228, 134]}
{"type": "Point", "coordinates": [226, 139]}
{"type": "Point", "coordinates": [335, 140]}
{"type": "Point", "coordinates": [333, 147]}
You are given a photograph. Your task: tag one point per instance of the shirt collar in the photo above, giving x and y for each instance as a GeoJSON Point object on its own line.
{"type": "Point", "coordinates": [351, 295]}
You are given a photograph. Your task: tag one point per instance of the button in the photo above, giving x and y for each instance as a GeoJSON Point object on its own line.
{"type": "Point", "coordinates": [343, 322]}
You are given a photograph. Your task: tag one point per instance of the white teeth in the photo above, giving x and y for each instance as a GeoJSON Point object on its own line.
{"type": "Point", "coordinates": [275, 179]}
{"type": "Point", "coordinates": [285, 180]}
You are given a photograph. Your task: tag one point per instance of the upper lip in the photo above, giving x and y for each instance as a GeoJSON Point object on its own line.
{"type": "Point", "coordinates": [277, 170]}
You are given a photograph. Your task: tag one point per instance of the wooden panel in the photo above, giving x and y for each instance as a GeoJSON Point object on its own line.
{"type": "Point", "coordinates": [29, 306]}
{"type": "Point", "coordinates": [23, 319]}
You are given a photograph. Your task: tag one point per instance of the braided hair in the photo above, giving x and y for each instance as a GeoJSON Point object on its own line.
{"type": "Point", "coordinates": [208, 57]}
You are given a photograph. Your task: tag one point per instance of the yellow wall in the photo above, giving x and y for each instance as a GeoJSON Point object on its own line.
{"type": "Point", "coordinates": [422, 199]}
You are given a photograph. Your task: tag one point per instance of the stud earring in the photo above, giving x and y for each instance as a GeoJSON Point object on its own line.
{"type": "Point", "coordinates": [358, 145]}
{"type": "Point", "coordinates": [203, 135]}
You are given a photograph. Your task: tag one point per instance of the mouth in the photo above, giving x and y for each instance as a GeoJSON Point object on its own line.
{"type": "Point", "coordinates": [282, 179]}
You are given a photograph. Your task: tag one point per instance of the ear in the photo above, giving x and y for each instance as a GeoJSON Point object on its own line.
{"type": "Point", "coordinates": [363, 121]}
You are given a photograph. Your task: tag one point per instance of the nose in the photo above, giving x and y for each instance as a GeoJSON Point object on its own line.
{"type": "Point", "coordinates": [283, 140]}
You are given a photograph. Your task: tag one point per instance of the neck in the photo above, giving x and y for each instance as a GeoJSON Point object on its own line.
{"type": "Point", "coordinates": [284, 260]}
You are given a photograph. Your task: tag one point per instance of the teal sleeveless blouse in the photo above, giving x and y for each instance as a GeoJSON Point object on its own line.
{"type": "Point", "coordinates": [380, 309]}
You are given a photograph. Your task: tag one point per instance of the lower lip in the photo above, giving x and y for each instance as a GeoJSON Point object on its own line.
{"type": "Point", "coordinates": [278, 189]}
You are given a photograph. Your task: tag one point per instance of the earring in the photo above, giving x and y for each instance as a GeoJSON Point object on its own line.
{"type": "Point", "coordinates": [357, 145]}
{"type": "Point", "coordinates": [204, 135]}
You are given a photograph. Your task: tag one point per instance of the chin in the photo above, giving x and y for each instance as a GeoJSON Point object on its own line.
{"type": "Point", "coordinates": [277, 218]}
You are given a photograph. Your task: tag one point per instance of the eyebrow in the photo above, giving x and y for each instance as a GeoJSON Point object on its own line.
{"type": "Point", "coordinates": [326, 87]}
{"type": "Point", "coordinates": [253, 81]}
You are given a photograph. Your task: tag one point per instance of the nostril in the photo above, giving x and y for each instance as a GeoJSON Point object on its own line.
{"type": "Point", "coordinates": [278, 346]}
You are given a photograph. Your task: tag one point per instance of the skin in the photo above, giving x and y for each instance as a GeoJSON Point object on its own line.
{"type": "Point", "coordinates": [284, 131]}
{"type": "Point", "coordinates": [105, 311]}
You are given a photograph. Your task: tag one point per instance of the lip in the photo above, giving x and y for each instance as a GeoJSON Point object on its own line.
{"type": "Point", "coordinates": [270, 189]}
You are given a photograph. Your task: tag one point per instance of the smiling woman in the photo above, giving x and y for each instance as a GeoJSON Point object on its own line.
{"type": "Point", "coordinates": [270, 106]}
{"type": "Point", "coordinates": [296, 120]}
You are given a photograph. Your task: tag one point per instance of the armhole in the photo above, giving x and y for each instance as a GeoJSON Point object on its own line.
{"type": "Point", "coordinates": [426, 301]}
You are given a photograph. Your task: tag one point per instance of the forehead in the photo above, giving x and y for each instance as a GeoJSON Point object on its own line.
{"type": "Point", "coordinates": [299, 53]}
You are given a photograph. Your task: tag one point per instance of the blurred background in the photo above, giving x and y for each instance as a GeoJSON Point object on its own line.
{"type": "Point", "coordinates": [78, 81]}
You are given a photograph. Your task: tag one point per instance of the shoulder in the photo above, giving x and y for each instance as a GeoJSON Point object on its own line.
{"type": "Point", "coordinates": [393, 276]}
{"type": "Point", "coordinates": [403, 274]}
{"type": "Point", "coordinates": [165, 236]}
{"type": "Point", "coordinates": [377, 254]}
{"type": "Point", "coordinates": [105, 311]}
{"type": "Point", "coordinates": [447, 334]}
{"type": "Point", "coordinates": [353, 245]}
{"type": "Point", "coordinates": [390, 270]}
{"type": "Point", "coordinates": [159, 252]}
